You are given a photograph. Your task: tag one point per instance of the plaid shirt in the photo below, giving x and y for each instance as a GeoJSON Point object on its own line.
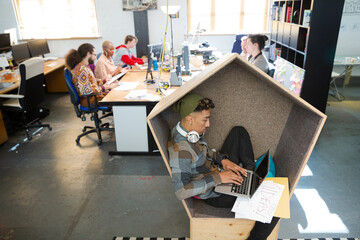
{"type": "Point", "coordinates": [192, 170]}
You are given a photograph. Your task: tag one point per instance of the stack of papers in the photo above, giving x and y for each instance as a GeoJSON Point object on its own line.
{"type": "Point", "coordinates": [261, 207]}
{"type": "Point", "coordinates": [136, 94]}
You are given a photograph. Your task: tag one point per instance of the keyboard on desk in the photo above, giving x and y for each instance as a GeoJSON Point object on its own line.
{"type": "Point", "coordinates": [6, 85]}
{"type": "Point", "coordinates": [53, 64]}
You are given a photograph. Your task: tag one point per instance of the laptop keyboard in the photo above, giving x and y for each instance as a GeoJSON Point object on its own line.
{"type": "Point", "coordinates": [244, 187]}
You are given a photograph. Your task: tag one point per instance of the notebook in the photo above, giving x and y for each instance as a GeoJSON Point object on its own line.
{"type": "Point", "coordinates": [116, 77]}
{"type": "Point", "coordinates": [250, 183]}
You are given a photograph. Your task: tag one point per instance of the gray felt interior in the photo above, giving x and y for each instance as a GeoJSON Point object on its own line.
{"type": "Point", "coordinates": [244, 97]}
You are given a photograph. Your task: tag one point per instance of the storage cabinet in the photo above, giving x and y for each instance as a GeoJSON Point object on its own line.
{"type": "Point", "coordinates": [305, 32]}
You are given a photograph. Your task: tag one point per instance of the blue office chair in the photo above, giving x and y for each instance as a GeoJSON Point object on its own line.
{"type": "Point", "coordinates": [93, 110]}
{"type": "Point", "coordinates": [237, 44]}
{"type": "Point", "coordinates": [271, 69]}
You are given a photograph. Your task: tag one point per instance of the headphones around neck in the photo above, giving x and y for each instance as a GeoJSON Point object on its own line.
{"type": "Point", "coordinates": [192, 136]}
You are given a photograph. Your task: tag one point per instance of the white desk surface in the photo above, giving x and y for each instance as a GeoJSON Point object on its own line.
{"type": "Point", "coordinates": [346, 60]}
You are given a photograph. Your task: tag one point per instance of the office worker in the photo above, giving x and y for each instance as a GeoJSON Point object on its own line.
{"type": "Point", "coordinates": [123, 55]}
{"type": "Point", "coordinates": [105, 67]}
{"type": "Point", "coordinates": [254, 46]}
{"type": "Point", "coordinates": [193, 174]}
{"type": "Point", "coordinates": [77, 61]}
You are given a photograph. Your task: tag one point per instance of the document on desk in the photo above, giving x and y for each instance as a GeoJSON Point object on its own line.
{"type": "Point", "coordinates": [142, 95]}
{"type": "Point", "coordinates": [53, 64]}
{"type": "Point", "coordinates": [142, 67]}
{"type": "Point", "coordinates": [124, 86]}
{"type": "Point", "coordinates": [188, 78]}
{"type": "Point", "coordinates": [152, 97]}
{"type": "Point", "coordinates": [116, 77]}
{"type": "Point", "coordinates": [136, 94]}
{"type": "Point", "coordinates": [261, 207]}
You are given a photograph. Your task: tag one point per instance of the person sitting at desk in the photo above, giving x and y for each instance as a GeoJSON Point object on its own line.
{"type": "Point", "coordinates": [77, 61]}
{"type": "Point", "coordinates": [105, 67]}
{"type": "Point", "coordinates": [193, 174]}
{"type": "Point", "coordinates": [123, 55]}
{"type": "Point", "coordinates": [254, 46]}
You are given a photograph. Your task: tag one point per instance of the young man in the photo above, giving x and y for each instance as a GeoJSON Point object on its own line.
{"type": "Point", "coordinates": [194, 174]}
{"type": "Point", "coordinates": [123, 56]}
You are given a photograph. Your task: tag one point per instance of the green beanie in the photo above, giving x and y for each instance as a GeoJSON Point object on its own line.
{"type": "Point", "coordinates": [187, 104]}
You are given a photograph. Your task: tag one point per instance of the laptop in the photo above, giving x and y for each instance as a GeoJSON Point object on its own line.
{"type": "Point", "coordinates": [250, 183]}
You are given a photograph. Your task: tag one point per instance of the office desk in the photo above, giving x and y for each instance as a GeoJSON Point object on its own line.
{"type": "Point", "coordinates": [131, 131]}
{"type": "Point", "coordinates": [54, 79]}
{"type": "Point", "coordinates": [349, 62]}
{"type": "Point", "coordinates": [54, 75]}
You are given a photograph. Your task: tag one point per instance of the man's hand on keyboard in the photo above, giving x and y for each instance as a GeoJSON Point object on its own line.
{"type": "Point", "coordinates": [229, 165]}
{"type": "Point", "coordinates": [230, 177]}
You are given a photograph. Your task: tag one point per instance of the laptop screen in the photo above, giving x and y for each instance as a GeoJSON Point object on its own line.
{"type": "Point", "coordinates": [263, 169]}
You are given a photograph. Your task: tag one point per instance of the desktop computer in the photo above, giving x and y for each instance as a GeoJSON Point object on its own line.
{"type": "Point", "coordinates": [38, 47]}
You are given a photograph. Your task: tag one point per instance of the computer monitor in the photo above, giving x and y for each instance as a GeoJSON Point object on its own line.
{"type": "Point", "coordinates": [38, 47]}
{"type": "Point", "coordinates": [4, 42]}
{"type": "Point", "coordinates": [20, 52]}
{"type": "Point", "coordinates": [156, 49]}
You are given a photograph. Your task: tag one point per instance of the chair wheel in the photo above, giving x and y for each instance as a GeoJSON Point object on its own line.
{"type": "Point", "coordinates": [84, 129]}
{"type": "Point", "coordinates": [50, 128]}
{"type": "Point", "coordinates": [77, 142]}
{"type": "Point", "coordinates": [83, 118]}
{"type": "Point", "coordinates": [92, 118]}
{"type": "Point", "coordinates": [99, 142]}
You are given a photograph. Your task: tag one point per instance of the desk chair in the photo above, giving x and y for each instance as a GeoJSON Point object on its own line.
{"type": "Point", "coordinates": [82, 111]}
{"type": "Point", "coordinates": [237, 44]}
{"type": "Point", "coordinates": [333, 89]}
{"type": "Point", "coordinates": [30, 94]}
{"type": "Point", "coordinates": [271, 69]}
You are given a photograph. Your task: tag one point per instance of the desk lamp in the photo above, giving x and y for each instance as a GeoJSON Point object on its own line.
{"type": "Point", "coordinates": [172, 12]}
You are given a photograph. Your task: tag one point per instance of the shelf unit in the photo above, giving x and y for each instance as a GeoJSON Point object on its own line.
{"type": "Point", "coordinates": [288, 35]}
{"type": "Point", "coordinates": [308, 42]}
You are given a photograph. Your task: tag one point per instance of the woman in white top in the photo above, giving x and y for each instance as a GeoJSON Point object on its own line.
{"type": "Point", "coordinates": [254, 45]}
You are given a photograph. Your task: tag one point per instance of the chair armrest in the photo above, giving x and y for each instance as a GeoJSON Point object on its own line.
{"type": "Point", "coordinates": [11, 96]}
{"type": "Point", "coordinates": [88, 96]}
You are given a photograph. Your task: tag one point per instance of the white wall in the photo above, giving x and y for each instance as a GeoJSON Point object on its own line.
{"type": "Point", "coordinates": [349, 34]}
